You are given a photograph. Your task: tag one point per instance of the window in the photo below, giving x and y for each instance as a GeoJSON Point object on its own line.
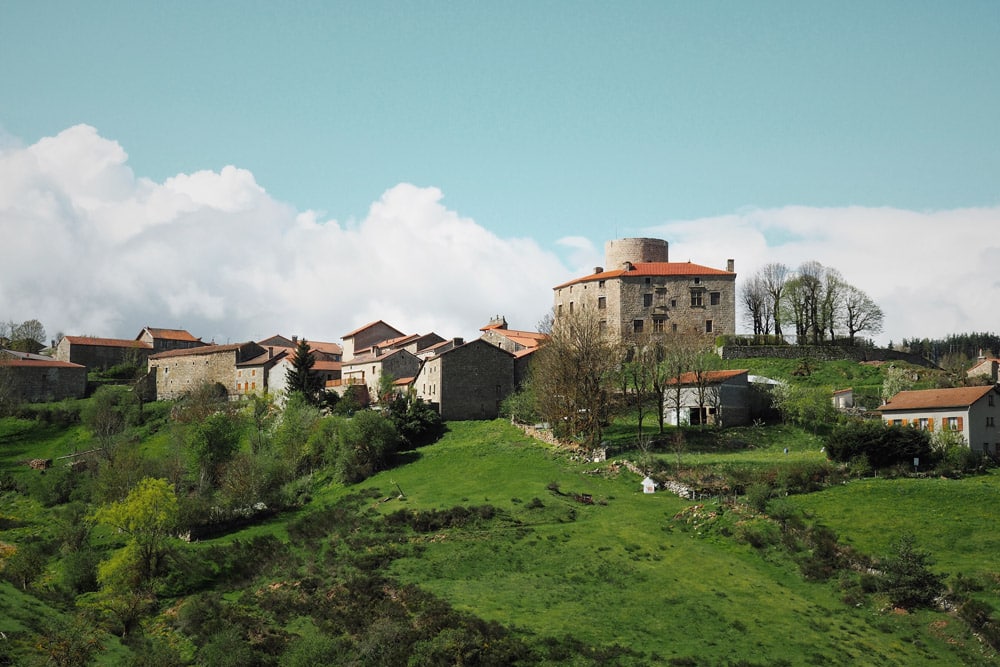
{"type": "Point", "coordinates": [659, 325]}
{"type": "Point", "coordinates": [602, 326]}
{"type": "Point", "coordinates": [602, 303]}
{"type": "Point", "coordinates": [673, 327]}
{"type": "Point", "coordinates": [673, 303]}
{"type": "Point", "coordinates": [696, 299]}
{"type": "Point", "coordinates": [647, 300]}
{"type": "Point", "coordinates": [637, 326]}
{"type": "Point", "coordinates": [989, 422]}
{"type": "Point", "coordinates": [600, 284]}
{"type": "Point", "coordinates": [697, 281]}
{"type": "Point", "coordinates": [708, 326]}
{"type": "Point", "coordinates": [897, 422]}
{"type": "Point", "coordinates": [559, 310]}
{"type": "Point", "coordinates": [922, 423]}
{"type": "Point", "coordinates": [648, 281]}
{"type": "Point", "coordinates": [715, 298]}
{"type": "Point", "coordinates": [951, 424]}
{"type": "Point", "coordinates": [570, 307]}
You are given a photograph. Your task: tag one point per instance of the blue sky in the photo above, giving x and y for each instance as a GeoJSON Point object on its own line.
{"type": "Point", "coordinates": [561, 123]}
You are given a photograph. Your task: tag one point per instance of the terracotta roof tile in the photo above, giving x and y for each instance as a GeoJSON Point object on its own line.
{"type": "Point", "coordinates": [369, 325]}
{"type": "Point", "coordinates": [171, 334]}
{"type": "Point", "coordinates": [927, 399]}
{"type": "Point", "coordinates": [195, 351]}
{"type": "Point", "coordinates": [108, 342]}
{"type": "Point", "coordinates": [641, 269]}
{"type": "Point", "coordinates": [711, 377]}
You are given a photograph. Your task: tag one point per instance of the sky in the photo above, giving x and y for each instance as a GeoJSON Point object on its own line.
{"type": "Point", "coordinates": [240, 169]}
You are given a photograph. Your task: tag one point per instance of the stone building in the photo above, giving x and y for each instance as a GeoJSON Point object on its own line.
{"type": "Point", "coordinates": [642, 292]}
{"type": "Point", "coordinates": [164, 340]}
{"type": "Point", "coordinates": [498, 333]}
{"type": "Point", "coordinates": [102, 353]}
{"type": "Point", "coordinates": [365, 337]}
{"type": "Point", "coordinates": [177, 372]}
{"type": "Point", "coordinates": [33, 378]}
{"type": "Point", "coordinates": [368, 368]}
{"type": "Point", "coordinates": [468, 381]}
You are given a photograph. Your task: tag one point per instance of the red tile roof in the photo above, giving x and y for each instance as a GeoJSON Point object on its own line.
{"type": "Point", "coordinates": [37, 363]}
{"type": "Point", "coordinates": [710, 377]}
{"type": "Point", "coordinates": [640, 269]}
{"type": "Point", "coordinates": [369, 325]}
{"type": "Point", "coordinates": [195, 351]}
{"type": "Point", "coordinates": [170, 334]}
{"type": "Point", "coordinates": [525, 338]}
{"type": "Point", "coordinates": [107, 342]}
{"type": "Point", "coordinates": [929, 399]}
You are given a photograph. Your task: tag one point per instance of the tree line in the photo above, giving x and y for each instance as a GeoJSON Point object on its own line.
{"type": "Point", "coordinates": [813, 302]}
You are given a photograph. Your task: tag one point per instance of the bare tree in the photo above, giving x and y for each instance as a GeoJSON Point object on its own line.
{"type": "Point", "coordinates": [679, 358]}
{"type": "Point", "coordinates": [571, 374]}
{"type": "Point", "coordinates": [860, 313]}
{"type": "Point", "coordinates": [832, 303]}
{"type": "Point", "coordinates": [756, 304]}
{"type": "Point", "coordinates": [775, 277]}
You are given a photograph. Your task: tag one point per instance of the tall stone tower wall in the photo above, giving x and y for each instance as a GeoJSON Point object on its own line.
{"type": "Point", "coordinates": [619, 251]}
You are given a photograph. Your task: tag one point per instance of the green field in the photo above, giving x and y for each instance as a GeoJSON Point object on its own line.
{"type": "Point", "coordinates": [613, 580]}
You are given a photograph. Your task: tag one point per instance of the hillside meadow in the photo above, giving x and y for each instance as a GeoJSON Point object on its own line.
{"type": "Point", "coordinates": [490, 547]}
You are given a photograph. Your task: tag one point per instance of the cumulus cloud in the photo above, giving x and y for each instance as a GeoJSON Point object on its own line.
{"type": "Point", "coordinates": [89, 248]}
{"type": "Point", "coordinates": [933, 273]}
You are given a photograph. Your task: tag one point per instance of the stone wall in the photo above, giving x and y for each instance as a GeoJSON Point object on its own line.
{"type": "Point", "coordinates": [42, 382]}
{"type": "Point", "coordinates": [475, 378]}
{"type": "Point", "coordinates": [822, 353]}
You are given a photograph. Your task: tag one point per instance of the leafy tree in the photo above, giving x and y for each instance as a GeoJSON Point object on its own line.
{"type": "Point", "coordinates": [262, 413]}
{"type": "Point", "coordinates": [368, 443]}
{"type": "Point", "coordinates": [26, 563]}
{"type": "Point", "coordinates": [906, 576]}
{"type": "Point", "coordinates": [416, 422]}
{"type": "Point", "coordinates": [28, 336]}
{"type": "Point", "coordinates": [300, 377]}
{"type": "Point", "coordinates": [809, 407]}
{"type": "Point", "coordinates": [679, 354]}
{"type": "Point", "coordinates": [148, 517]}
{"type": "Point", "coordinates": [896, 380]}
{"type": "Point", "coordinates": [213, 442]}
{"type": "Point", "coordinates": [299, 419]}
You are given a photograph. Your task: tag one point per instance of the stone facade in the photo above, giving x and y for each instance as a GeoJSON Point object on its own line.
{"type": "Point", "coordinates": [368, 368]}
{"type": "Point", "coordinates": [180, 371]}
{"type": "Point", "coordinates": [36, 379]}
{"type": "Point", "coordinates": [367, 336]}
{"type": "Point", "coordinates": [101, 353]}
{"type": "Point", "coordinates": [165, 340]}
{"type": "Point", "coordinates": [467, 382]}
{"type": "Point", "coordinates": [643, 294]}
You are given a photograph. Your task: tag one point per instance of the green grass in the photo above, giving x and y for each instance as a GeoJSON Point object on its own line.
{"type": "Point", "coordinates": [621, 572]}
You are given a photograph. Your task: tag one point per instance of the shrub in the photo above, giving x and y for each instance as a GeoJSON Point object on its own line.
{"type": "Point", "coordinates": [906, 576]}
{"type": "Point", "coordinates": [367, 444]}
{"type": "Point", "coordinates": [881, 445]}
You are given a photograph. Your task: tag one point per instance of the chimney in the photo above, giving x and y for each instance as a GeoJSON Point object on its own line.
{"type": "Point", "coordinates": [270, 352]}
{"type": "Point", "coordinates": [731, 265]}
{"type": "Point", "coordinates": [629, 266]}
{"type": "Point", "coordinates": [295, 340]}
{"type": "Point", "coordinates": [598, 269]}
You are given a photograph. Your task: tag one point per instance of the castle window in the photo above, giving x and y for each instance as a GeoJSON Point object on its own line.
{"type": "Point", "coordinates": [714, 298]}
{"type": "Point", "coordinates": [673, 303]}
{"type": "Point", "coordinates": [659, 325]}
{"type": "Point", "coordinates": [602, 303]}
{"type": "Point", "coordinates": [647, 300]}
{"type": "Point", "coordinates": [602, 326]}
{"type": "Point", "coordinates": [673, 327]}
{"type": "Point", "coordinates": [708, 326]}
{"type": "Point", "coordinates": [649, 280]}
{"type": "Point", "coordinates": [570, 307]}
{"type": "Point", "coordinates": [696, 298]}
{"type": "Point", "coordinates": [636, 326]}
{"type": "Point", "coordinates": [600, 284]}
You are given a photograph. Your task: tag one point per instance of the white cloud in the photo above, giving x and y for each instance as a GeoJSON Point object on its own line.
{"type": "Point", "coordinates": [933, 273]}
{"type": "Point", "coordinates": [90, 248]}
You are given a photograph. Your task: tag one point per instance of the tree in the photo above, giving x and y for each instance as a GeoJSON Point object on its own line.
{"type": "Point", "coordinates": [213, 442]}
{"type": "Point", "coordinates": [906, 576]}
{"type": "Point", "coordinates": [860, 313]}
{"type": "Point", "coordinates": [106, 415]}
{"type": "Point", "coordinates": [262, 413]}
{"type": "Point", "coordinates": [148, 517]}
{"type": "Point", "coordinates": [570, 375]}
{"type": "Point", "coordinates": [774, 277]}
{"type": "Point", "coordinates": [679, 355]}
{"type": "Point", "coordinates": [896, 380]}
{"type": "Point", "coordinates": [368, 442]}
{"type": "Point", "coordinates": [300, 377]}
{"type": "Point", "coordinates": [756, 303]}
{"type": "Point", "coordinates": [28, 336]}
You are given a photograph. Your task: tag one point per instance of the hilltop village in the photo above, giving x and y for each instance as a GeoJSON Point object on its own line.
{"type": "Point", "coordinates": [639, 291]}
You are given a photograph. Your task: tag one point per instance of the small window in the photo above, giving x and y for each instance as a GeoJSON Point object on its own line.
{"type": "Point", "coordinates": [600, 284]}
{"type": "Point", "coordinates": [659, 325]}
{"type": "Point", "coordinates": [602, 303]}
{"type": "Point", "coordinates": [951, 424]}
{"type": "Point", "coordinates": [696, 299]}
{"type": "Point", "coordinates": [648, 281]}
{"type": "Point", "coordinates": [570, 307]}
{"type": "Point", "coordinates": [673, 303]}
{"type": "Point", "coordinates": [708, 326]}
{"type": "Point", "coordinates": [989, 421]}
{"type": "Point", "coordinates": [637, 326]}
{"type": "Point", "coordinates": [673, 327]}
{"type": "Point", "coordinates": [697, 281]}
{"type": "Point", "coordinates": [559, 310]}
{"type": "Point", "coordinates": [715, 298]}
{"type": "Point", "coordinates": [647, 300]}
{"type": "Point", "coordinates": [602, 326]}
{"type": "Point", "coordinates": [922, 423]}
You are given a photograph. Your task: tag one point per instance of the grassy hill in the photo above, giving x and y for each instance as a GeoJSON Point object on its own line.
{"type": "Point", "coordinates": [489, 547]}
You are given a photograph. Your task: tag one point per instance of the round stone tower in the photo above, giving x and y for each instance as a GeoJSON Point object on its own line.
{"type": "Point", "coordinates": [617, 252]}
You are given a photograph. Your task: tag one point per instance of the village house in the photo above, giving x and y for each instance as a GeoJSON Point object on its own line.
{"type": "Point", "coordinates": [722, 398]}
{"type": "Point", "coordinates": [498, 333]}
{"type": "Point", "coordinates": [102, 353]}
{"type": "Point", "coordinates": [180, 371]}
{"type": "Point", "coordinates": [985, 368]}
{"type": "Point", "coordinates": [36, 379]}
{"type": "Point", "coordinates": [363, 338]}
{"type": "Point", "coordinates": [366, 369]}
{"type": "Point", "coordinates": [468, 381]}
{"type": "Point", "coordinates": [974, 412]}
{"type": "Point", "coordinates": [641, 292]}
{"type": "Point", "coordinates": [164, 340]}
{"type": "Point", "coordinates": [843, 399]}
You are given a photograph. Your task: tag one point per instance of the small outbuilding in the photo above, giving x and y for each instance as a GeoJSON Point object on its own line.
{"type": "Point", "coordinates": [648, 485]}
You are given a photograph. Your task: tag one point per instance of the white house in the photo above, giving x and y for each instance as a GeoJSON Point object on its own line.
{"type": "Point", "coordinates": [710, 397]}
{"type": "Point", "coordinates": [972, 411]}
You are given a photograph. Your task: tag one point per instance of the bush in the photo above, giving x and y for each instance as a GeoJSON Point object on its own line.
{"type": "Point", "coordinates": [881, 445]}
{"type": "Point", "coordinates": [367, 444]}
{"type": "Point", "coordinates": [906, 576]}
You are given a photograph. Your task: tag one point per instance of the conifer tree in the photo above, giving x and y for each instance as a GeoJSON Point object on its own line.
{"type": "Point", "coordinates": [300, 377]}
